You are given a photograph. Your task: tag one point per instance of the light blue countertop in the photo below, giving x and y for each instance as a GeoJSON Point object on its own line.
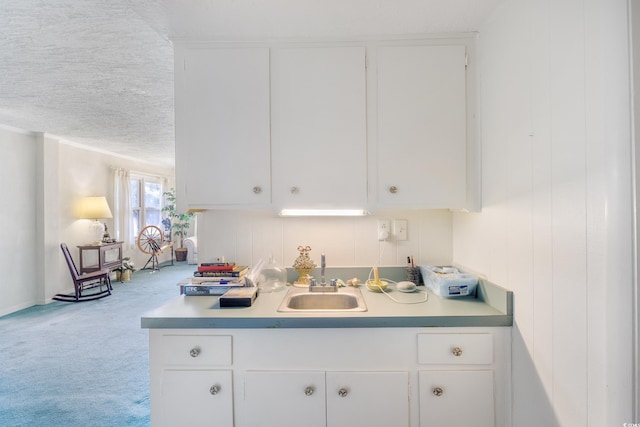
{"type": "Point", "coordinates": [491, 306]}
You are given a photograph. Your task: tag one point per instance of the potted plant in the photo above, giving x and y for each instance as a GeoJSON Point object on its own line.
{"type": "Point", "coordinates": [180, 223]}
{"type": "Point", "coordinates": [166, 224]}
{"type": "Point", "coordinates": [123, 273]}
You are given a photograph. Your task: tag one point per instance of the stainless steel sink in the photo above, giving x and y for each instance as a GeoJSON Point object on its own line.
{"type": "Point", "coordinates": [300, 299]}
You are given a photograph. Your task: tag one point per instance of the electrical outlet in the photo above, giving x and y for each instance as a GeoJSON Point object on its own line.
{"type": "Point", "coordinates": [384, 229]}
{"type": "Point", "coordinates": [400, 229]}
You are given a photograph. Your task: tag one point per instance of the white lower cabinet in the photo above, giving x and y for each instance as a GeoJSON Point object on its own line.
{"type": "Point", "coordinates": [285, 399]}
{"type": "Point", "coordinates": [331, 399]}
{"type": "Point", "coordinates": [195, 398]}
{"type": "Point", "coordinates": [331, 377]}
{"type": "Point", "coordinates": [191, 380]}
{"type": "Point", "coordinates": [375, 399]}
{"type": "Point", "coordinates": [458, 387]}
{"type": "Point", "coordinates": [456, 398]}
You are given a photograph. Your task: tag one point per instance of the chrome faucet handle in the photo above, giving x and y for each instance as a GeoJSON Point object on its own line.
{"type": "Point", "coordinates": [323, 287]}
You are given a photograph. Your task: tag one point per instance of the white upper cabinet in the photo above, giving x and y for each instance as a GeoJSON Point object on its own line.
{"type": "Point", "coordinates": [379, 125]}
{"type": "Point", "coordinates": [421, 126]}
{"type": "Point", "coordinates": [319, 127]}
{"type": "Point", "coordinates": [222, 127]}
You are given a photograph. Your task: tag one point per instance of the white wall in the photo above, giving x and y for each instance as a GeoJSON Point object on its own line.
{"type": "Point", "coordinates": [635, 30]}
{"type": "Point", "coordinates": [42, 179]}
{"type": "Point", "coordinates": [556, 225]}
{"type": "Point", "coordinates": [18, 216]}
{"type": "Point", "coordinates": [246, 237]}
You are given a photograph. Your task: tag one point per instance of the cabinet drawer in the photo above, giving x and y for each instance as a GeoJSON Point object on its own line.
{"type": "Point", "coordinates": [455, 348]}
{"type": "Point", "coordinates": [196, 350]}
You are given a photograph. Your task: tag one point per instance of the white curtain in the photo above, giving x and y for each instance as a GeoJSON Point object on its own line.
{"type": "Point", "coordinates": [122, 220]}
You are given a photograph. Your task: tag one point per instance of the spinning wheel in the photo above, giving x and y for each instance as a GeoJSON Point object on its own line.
{"type": "Point", "coordinates": [150, 241]}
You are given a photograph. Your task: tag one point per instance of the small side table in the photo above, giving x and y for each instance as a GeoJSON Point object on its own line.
{"type": "Point", "coordinates": [109, 256]}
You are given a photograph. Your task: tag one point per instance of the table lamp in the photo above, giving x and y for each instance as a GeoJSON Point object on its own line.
{"type": "Point", "coordinates": [95, 208]}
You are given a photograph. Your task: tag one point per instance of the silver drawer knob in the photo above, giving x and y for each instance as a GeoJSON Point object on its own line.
{"type": "Point", "coordinates": [257, 190]}
{"type": "Point", "coordinates": [343, 392]}
{"type": "Point", "coordinates": [308, 391]}
{"type": "Point", "coordinates": [294, 190]}
{"type": "Point", "coordinates": [393, 189]}
{"type": "Point", "coordinates": [457, 351]}
{"type": "Point", "coordinates": [194, 352]}
{"type": "Point", "coordinates": [214, 389]}
{"type": "Point", "coordinates": [438, 391]}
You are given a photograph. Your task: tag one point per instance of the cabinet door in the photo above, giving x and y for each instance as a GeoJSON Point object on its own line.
{"type": "Point", "coordinates": [367, 399]}
{"type": "Point", "coordinates": [222, 127]}
{"type": "Point", "coordinates": [195, 398]}
{"type": "Point", "coordinates": [422, 156]}
{"type": "Point", "coordinates": [456, 398]}
{"type": "Point", "coordinates": [319, 127]}
{"type": "Point", "coordinates": [284, 399]}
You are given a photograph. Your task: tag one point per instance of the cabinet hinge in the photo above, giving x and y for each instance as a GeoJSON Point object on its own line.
{"type": "Point", "coordinates": [466, 60]}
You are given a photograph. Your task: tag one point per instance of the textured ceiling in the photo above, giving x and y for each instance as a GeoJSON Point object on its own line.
{"type": "Point", "coordinates": [92, 72]}
{"type": "Point", "coordinates": [100, 73]}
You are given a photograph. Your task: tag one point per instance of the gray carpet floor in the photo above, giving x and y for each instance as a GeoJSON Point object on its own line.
{"type": "Point", "coordinates": [83, 364]}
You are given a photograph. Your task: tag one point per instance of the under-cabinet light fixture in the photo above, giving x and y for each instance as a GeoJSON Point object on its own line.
{"type": "Point", "coordinates": [323, 212]}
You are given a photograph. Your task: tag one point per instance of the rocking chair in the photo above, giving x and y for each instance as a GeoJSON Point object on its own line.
{"type": "Point", "coordinates": [96, 279]}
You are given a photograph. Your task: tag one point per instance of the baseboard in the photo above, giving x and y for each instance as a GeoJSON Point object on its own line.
{"type": "Point", "coordinates": [8, 310]}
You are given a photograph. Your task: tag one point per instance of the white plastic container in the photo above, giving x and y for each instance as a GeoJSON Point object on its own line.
{"type": "Point", "coordinates": [448, 281]}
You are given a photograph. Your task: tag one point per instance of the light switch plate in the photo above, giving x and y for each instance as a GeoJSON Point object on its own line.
{"type": "Point", "coordinates": [400, 229]}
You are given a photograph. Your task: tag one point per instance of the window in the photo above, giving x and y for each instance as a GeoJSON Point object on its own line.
{"type": "Point", "coordinates": [146, 202]}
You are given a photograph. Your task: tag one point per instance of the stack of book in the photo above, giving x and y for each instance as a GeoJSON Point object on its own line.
{"type": "Point", "coordinates": [214, 279]}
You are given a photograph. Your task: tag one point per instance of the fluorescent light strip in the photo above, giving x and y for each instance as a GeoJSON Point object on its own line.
{"type": "Point", "coordinates": [323, 212]}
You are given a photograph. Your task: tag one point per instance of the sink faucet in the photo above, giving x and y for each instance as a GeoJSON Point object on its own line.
{"type": "Point", "coordinates": [323, 286]}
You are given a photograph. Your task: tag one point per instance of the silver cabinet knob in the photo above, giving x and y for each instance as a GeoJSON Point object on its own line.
{"type": "Point", "coordinates": [393, 189]}
{"type": "Point", "coordinates": [194, 352]}
{"type": "Point", "coordinates": [457, 351]}
{"type": "Point", "coordinates": [438, 391]}
{"type": "Point", "coordinates": [257, 190]}
{"type": "Point", "coordinates": [294, 190]}
{"type": "Point", "coordinates": [343, 392]}
{"type": "Point", "coordinates": [214, 389]}
{"type": "Point", "coordinates": [309, 391]}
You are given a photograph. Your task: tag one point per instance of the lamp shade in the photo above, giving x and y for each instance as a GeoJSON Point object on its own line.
{"type": "Point", "coordinates": [94, 208]}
